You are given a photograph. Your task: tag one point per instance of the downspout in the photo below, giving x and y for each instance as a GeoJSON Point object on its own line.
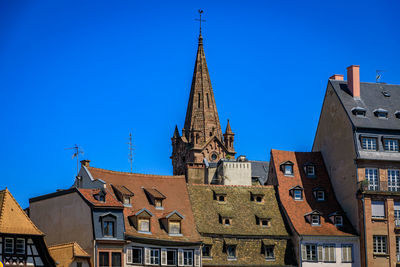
{"type": "Point", "coordinates": [365, 245]}
{"type": "Point", "coordinates": [363, 209]}
{"type": "Point", "coordinates": [94, 254]}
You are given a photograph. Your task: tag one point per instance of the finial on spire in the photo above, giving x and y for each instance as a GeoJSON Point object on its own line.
{"type": "Point", "coordinates": [200, 20]}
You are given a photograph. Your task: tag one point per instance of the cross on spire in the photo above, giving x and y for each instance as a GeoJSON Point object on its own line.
{"type": "Point", "coordinates": [200, 20]}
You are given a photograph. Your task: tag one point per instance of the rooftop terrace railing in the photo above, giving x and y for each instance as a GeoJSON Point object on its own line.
{"type": "Point", "coordinates": [381, 186]}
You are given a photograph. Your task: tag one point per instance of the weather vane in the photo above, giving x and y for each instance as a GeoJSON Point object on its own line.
{"type": "Point", "coordinates": [200, 20]}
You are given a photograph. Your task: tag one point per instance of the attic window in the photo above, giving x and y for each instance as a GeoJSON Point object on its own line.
{"type": "Point", "coordinates": [381, 113]}
{"type": "Point", "coordinates": [100, 196]}
{"type": "Point", "coordinates": [397, 114]}
{"type": "Point", "coordinates": [127, 200]}
{"type": "Point", "coordinates": [296, 192]}
{"type": "Point", "coordinates": [227, 221]}
{"type": "Point", "coordinates": [338, 220]}
{"type": "Point", "coordinates": [309, 169]}
{"type": "Point", "coordinates": [263, 222]}
{"type": "Point", "coordinates": [359, 111]}
{"type": "Point", "coordinates": [259, 198]}
{"type": "Point", "coordinates": [368, 143]}
{"type": "Point", "coordinates": [315, 219]}
{"type": "Point", "coordinates": [386, 93]}
{"type": "Point", "coordinates": [391, 145]}
{"type": "Point", "coordinates": [287, 168]}
{"type": "Point", "coordinates": [174, 227]}
{"type": "Point", "coordinates": [144, 225]}
{"type": "Point", "coordinates": [158, 203]}
{"type": "Point", "coordinates": [155, 197]}
{"type": "Point", "coordinates": [319, 194]}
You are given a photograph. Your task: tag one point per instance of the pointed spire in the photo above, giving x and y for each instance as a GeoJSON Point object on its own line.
{"type": "Point", "coordinates": [228, 129]}
{"type": "Point", "coordinates": [176, 132]}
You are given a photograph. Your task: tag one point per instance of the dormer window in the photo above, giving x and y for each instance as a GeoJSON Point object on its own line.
{"type": "Point", "coordinates": [319, 194]}
{"type": "Point", "coordinates": [368, 143]}
{"type": "Point", "coordinates": [156, 197]}
{"type": "Point", "coordinates": [225, 220]}
{"type": "Point", "coordinates": [309, 169]}
{"type": "Point", "coordinates": [381, 113]}
{"type": "Point", "coordinates": [314, 218]}
{"type": "Point", "coordinates": [263, 222]}
{"type": "Point", "coordinates": [359, 111]}
{"type": "Point", "coordinates": [174, 227]}
{"type": "Point", "coordinates": [287, 168]}
{"type": "Point", "coordinates": [397, 114]}
{"type": "Point", "coordinates": [108, 222]}
{"type": "Point", "coordinates": [296, 192]}
{"type": "Point", "coordinates": [127, 200]}
{"type": "Point", "coordinates": [123, 194]}
{"type": "Point", "coordinates": [391, 145]}
{"type": "Point", "coordinates": [173, 223]}
{"type": "Point", "coordinates": [256, 197]}
{"type": "Point", "coordinates": [338, 220]}
{"type": "Point", "coordinates": [220, 196]}
{"type": "Point", "coordinates": [142, 221]}
{"type": "Point", "coordinates": [144, 225]}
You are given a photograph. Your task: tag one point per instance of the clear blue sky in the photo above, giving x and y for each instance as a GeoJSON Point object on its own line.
{"type": "Point", "coordinates": [90, 72]}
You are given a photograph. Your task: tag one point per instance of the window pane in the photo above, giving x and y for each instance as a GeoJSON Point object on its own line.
{"type": "Point", "coordinates": [187, 257]}
{"type": "Point", "coordinates": [269, 252]}
{"type": "Point", "coordinates": [116, 259]}
{"type": "Point", "coordinates": [231, 252]}
{"type": "Point", "coordinates": [104, 260]}
{"type": "Point", "coordinates": [393, 180]}
{"type": "Point", "coordinates": [20, 246]}
{"type": "Point", "coordinates": [206, 251]}
{"type": "Point", "coordinates": [144, 225]}
{"type": "Point", "coordinates": [380, 244]}
{"type": "Point", "coordinates": [288, 169]}
{"type": "Point", "coordinates": [137, 255]}
{"type": "Point", "coordinates": [378, 209]}
{"type": "Point", "coordinates": [174, 227]}
{"type": "Point", "coordinates": [371, 175]}
{"type": "Point", "coordinates": [171, 257]}
{"type": "Point", "coordinates": [369, 143]}
{"type": "Point", "coordinates": [154, 256]}
{"type": "Point", "coordinates": [391, 145]}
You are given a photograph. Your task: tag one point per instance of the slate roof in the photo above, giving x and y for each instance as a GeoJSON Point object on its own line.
{"type": "Point", "coordinates": [176, 198]}
{"type": "Point", "coordinates": [296, 210]}
{"type": "Point", "coordinates": [372, 98]}
{"type": "Point", "coordinates": [238, 206]}
{"type": "Point", "coordinates": [13, 220]}
{"type": "Point", "coordinates": [260, 170]}
{"type": "Point", "coordinates": [65, 254]}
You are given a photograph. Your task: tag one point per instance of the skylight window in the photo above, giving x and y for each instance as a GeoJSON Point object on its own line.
{"type": "Point", "coordinates": [381, 113]}
{"type": "Point", "coordinates": [359, 111]}
{"type": "Point", "coordinates": [397, 114]}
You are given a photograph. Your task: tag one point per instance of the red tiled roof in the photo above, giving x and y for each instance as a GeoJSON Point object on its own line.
{"type": "Point", "coordinates": [176, 198]}
{"type": "Point", "coordinates": [155, 193]}
{"type": "Point", "coordinates": [297, 209]}
{"type": "Point", "coordinates": [110, 199]}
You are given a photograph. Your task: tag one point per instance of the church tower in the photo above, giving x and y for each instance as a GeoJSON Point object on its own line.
{"type": "Point", "coordinates": [201, 137]}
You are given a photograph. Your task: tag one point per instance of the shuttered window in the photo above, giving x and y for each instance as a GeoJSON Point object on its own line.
{"type": "Point", "coordinates": [378, 209]}
{"type": "Point", "coordinates": [180, 257]}
{"type": "Point", "coordinates": [197, 258]}
{"type": "Point", "coordinates": [8, 245]}
{"type": "Point", "coordinates": [347, 253]}
{"type": "Point", "coordinates": [329, 253]}
{"type": "Point", "coordinates": [129, 255]}
{"type": "Point", "coordinates": [174, 227]}
{"type": "Point", "coordinates": [309, 252]}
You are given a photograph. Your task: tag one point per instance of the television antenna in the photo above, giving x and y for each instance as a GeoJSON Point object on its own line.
{"type": "Point", "coordinates": [77, 151]}
{"type": "Point", "coordinates": [131, 148]}
{"type": "Point", "coordinates": [378, 75]}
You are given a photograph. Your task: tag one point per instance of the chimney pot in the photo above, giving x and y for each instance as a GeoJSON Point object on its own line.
{"type": "Point", "coordinates": [353, 80]}
{"type": "Point", "coordinates": [85, 162]}
{"type": "Point", "coordinates": [339, 77]}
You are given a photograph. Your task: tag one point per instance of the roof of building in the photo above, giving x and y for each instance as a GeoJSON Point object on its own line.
{"type": "Point", "coordinates": [109, 201]}
{"type": "Point", "coordinates": [65, 254]}
{"type": "Point", "coordinates": [372, 98]}
{"type": "Point", "coordinates": [173, 188]}
{"type": "Point", "coordinates": [239, 207]}
{"type": "Point", "coordinates": [13, 220]}
{"type": "Point", "coordinates": [260, 170]}
{"type": "Point", "coordinates": [296, 210]}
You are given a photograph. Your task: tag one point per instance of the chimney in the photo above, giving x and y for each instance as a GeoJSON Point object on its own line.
{"type": "Point", "coordinates": [339, 77]}
{"type": "Point", "coordinates": [85, 162]}
{"type": "Point", "coordinates": [353, 80]}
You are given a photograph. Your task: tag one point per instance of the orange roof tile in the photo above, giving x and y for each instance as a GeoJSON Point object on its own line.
{"type": "Point", "coordinates": [13, 220]}
{"type": "Point", "coordinates": [176, 198]}
{"type": "Point", "coordinates": [110, 199]}
{"type": "Point", "coordinates": [297, 209]}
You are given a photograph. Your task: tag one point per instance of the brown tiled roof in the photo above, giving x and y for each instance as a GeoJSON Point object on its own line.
{"type": "Point", "coordinates": [154, 192]}
{"type": "Point", "coordinates": [176, 198]}
{"type": "Point", "coordinates": [296, 210]}
{"type": "Point", "coordinates": [122, 190]}
{"type": "Point", "coordinates": [66, 253]}
{"type": "Point", "coordinates": [13, 220]}
{"type": "Point", "coordinates": [110, 199]}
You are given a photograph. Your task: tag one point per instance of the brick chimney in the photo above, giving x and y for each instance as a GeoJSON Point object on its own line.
{"type": "Point", "coordinates": [353, 80]}
{"type": "Point", "coordinates": [85, 162]}
{"type": "Point", "coordinates": [339, 77]}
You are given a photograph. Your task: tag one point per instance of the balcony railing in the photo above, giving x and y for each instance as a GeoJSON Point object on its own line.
{"type": "Point", "coordinates": [381, 186]}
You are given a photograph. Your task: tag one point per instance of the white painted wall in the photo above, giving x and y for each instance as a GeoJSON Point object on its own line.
{"type": "Point", "coordinates": [236, 173]}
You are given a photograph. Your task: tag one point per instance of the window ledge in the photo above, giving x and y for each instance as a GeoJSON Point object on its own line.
{"type": "Point", "coordinates": [159, 208]}
{"type": "Point", "coordinates": [232, 259]}
{"type": "Point", "coordinates": [381, 255]}
{"type": "Point", "coordinates": [144, 232]}
{"type": "Point", "coordinates": [206, 258]}
{"type": "Point", "coordinates": [175, 234]}
{"type": "Point", "coordinates": [288, 175]}
{"type": "Point", "coordinates": [128, 205]}
{"type": "Point", "coordinates": [270, 259]}
{"type": "Point", "coordinates": [379, 219]}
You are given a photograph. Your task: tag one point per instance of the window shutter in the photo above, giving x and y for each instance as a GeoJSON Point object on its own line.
{"type": "Point", "coordinates": [180, 257]}
{"type": "Point", "coordinates": [378, 209]}
{"type": "Point", "coordinates": [196, 257]}
{"type": "Point", "coordinates": [146, 256]}
{"type": "Point", "coordinates": [129, 255]}
{"type": "Point", "coordinates": [320, 257]}
{"type": "Point", "coordinates": [163, 257]}
{"type": "Point", "coordinates": [332, 254]}
{"type": "Point", "coordinates": [303, 252]}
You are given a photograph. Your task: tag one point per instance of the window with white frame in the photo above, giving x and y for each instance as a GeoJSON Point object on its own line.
{"type": "Point", "coordinates": [397, 214]}
{"type": "Point", "coordinates": [315, 219]}
{"type": "Point", "coordinates": [338, 220]}
{"type": "Point", "coordinates": [391, 145]}
{"type": "Point", "coordinates": [144, 224]}
{"type": "Point", "coordinates": [298, 194]}
{"type": "Point", "coordinates": [368, 143]}
{"type": "Point", "coordinates": [347, 253]}
{"type": "Point", "coordinates": [380, 245]}
{"type": "Point", "coordinates": [393, 180]}
{"type": "Point", "coordinates": [20, 246]}
{"type": "Point", "coordinates": [269, 252]}
{"type": "Point", "coordinates": [329, 253]}
{"type": "Point", "coordinates": [310, 170]}
{"type": "Point", "coordinates": [188, 257]}
{"type": "Point", "coordinates": [319, 195]}
{"type": "Point", "coordinates": [127, 200]}
{"type": "Point", "coordinates": [154, 256]}
{"type": "Point", "coordinates": [378, 209]}
{"type": "Point", "coordinates": [288, 169]}
{"type": "Point", "coordinates": [8, 245]}
{"type": "Point", "coordinates": [174, 227]}
{"type": "Point", "coordinates": [309, 252]}
{"type": "Point", "coordinates": [371, 175]}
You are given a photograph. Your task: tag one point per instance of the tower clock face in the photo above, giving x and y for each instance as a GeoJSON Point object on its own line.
{"type": "Point", "coordinates": [214, 156]}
